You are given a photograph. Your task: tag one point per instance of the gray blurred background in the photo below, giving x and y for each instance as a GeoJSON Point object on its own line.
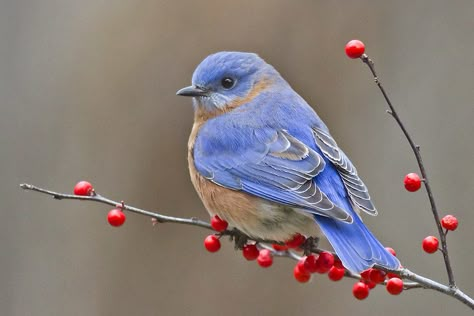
{"type": "Point", "coordinates": [87, 91]}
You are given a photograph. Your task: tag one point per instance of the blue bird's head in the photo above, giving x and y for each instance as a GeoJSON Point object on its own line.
{"type": "Point", "coordinates": [224, 80]}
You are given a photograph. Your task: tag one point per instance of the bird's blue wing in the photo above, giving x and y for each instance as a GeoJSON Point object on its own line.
{"type": "Point", "coordinates": [268, 163]}
{"type": "Point", "coordinates": [357, 190]}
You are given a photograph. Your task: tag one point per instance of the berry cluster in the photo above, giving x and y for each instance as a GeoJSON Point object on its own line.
{"type": "Point", "coordinates": [371, 277]}
{"type": "Point", "coordinates": [322, 264]}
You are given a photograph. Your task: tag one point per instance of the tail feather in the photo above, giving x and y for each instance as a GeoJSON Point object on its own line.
{"type": "Point", "coordinates": [355, 245]}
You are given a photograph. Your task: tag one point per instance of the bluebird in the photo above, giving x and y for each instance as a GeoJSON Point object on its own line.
{"type": "Point", "coordinates": [262, 159]}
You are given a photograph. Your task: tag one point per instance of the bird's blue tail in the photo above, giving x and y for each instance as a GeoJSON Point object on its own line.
{"type": "Point", "coordinates": [355, 245]}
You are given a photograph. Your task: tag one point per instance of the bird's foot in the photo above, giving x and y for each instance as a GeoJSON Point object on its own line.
{"type": "Point", "coordinates": [310, 245]}
{"type": "Point", "coordinates": [239, 238]}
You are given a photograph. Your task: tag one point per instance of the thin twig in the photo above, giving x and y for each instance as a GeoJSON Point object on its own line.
{"type": "Point", "coordinates": [418, 280]}
{"type": "Point", "coordinates": [416, 151]}
{"type": "Point", "coordinates": [98, 198]}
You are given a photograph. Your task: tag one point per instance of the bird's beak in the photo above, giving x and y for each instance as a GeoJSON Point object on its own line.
{"type": "Point", "coordinates": [193, 91]}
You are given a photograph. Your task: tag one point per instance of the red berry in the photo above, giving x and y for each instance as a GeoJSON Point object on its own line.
{"type": "Point", "coordinates": [301, 264]}
{"type": "Point", "coordinates": [389, 249]}
{"type": "Point", "coordinates": [365, 278]}
{"type": "Point", "coordinates": [430, 244]}
{"type": "Point", "coordinates": [265, 258]}
{"type": "Point", "coordinates": [412, 182]}
{"type": "Point", "coordinates": [394, 286]}
{"type": "Point", "coordinates": [310, 263]}
{"type": "Point", "coordinates": [279, 247]}
{"type": "Point", "coordinates": [370, 284]}
{"type": "Point", "coordinates": [212, 243]}
{"type": "Point", "coordinates": [250, 252]}
{"type": "Point", "coordinates": [355, 49]}
{"type": "Point", "coordinates": [449, 222]}
{"type": "Point", "coordinates": [377, 276]}
{"type": "Point", "coordinates": [116, 217]}
{"type": "Point", "coordinates": [325, 262]}
{"type": "Point", "coordinates": [218, 224]}
{"type": "Point", "coordinates": [83, 188]}
{"type": "Point", "coordinates": [360, 290]}
{"type": "Point", "coordinates": [296, 241]}
{"type": "Point", "coordinates": [365, 274]}
{"type": "Point", "coordinates": [336, 274]}
{"type": "Point", "coordinates": [338, 264]}
{"type": "Point", "coordinates": [300, 274]}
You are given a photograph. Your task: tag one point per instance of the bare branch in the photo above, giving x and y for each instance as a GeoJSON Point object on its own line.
{"type": "Point", "coordinates": [418, 280]}
{"type": "Point", "coordinates": [417, 152]}
{"type": "Point", "coordinates": [100, 199]}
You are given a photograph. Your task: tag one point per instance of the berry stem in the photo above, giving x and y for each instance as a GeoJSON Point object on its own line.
{"type": "Point", "coordinates": [416, 151]}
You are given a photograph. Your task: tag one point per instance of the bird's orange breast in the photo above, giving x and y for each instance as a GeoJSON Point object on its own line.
{"type": "Point", "coordinates": [231, 205]}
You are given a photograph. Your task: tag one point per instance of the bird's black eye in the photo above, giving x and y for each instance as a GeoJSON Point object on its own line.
{"type": "Point", "coordinates": [227, 82]}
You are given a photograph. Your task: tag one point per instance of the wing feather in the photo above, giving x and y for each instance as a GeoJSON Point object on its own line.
{"type": "Point", "coordinates": [357, 190]}
{"type": "Point", "coordinates": [273, 165]}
